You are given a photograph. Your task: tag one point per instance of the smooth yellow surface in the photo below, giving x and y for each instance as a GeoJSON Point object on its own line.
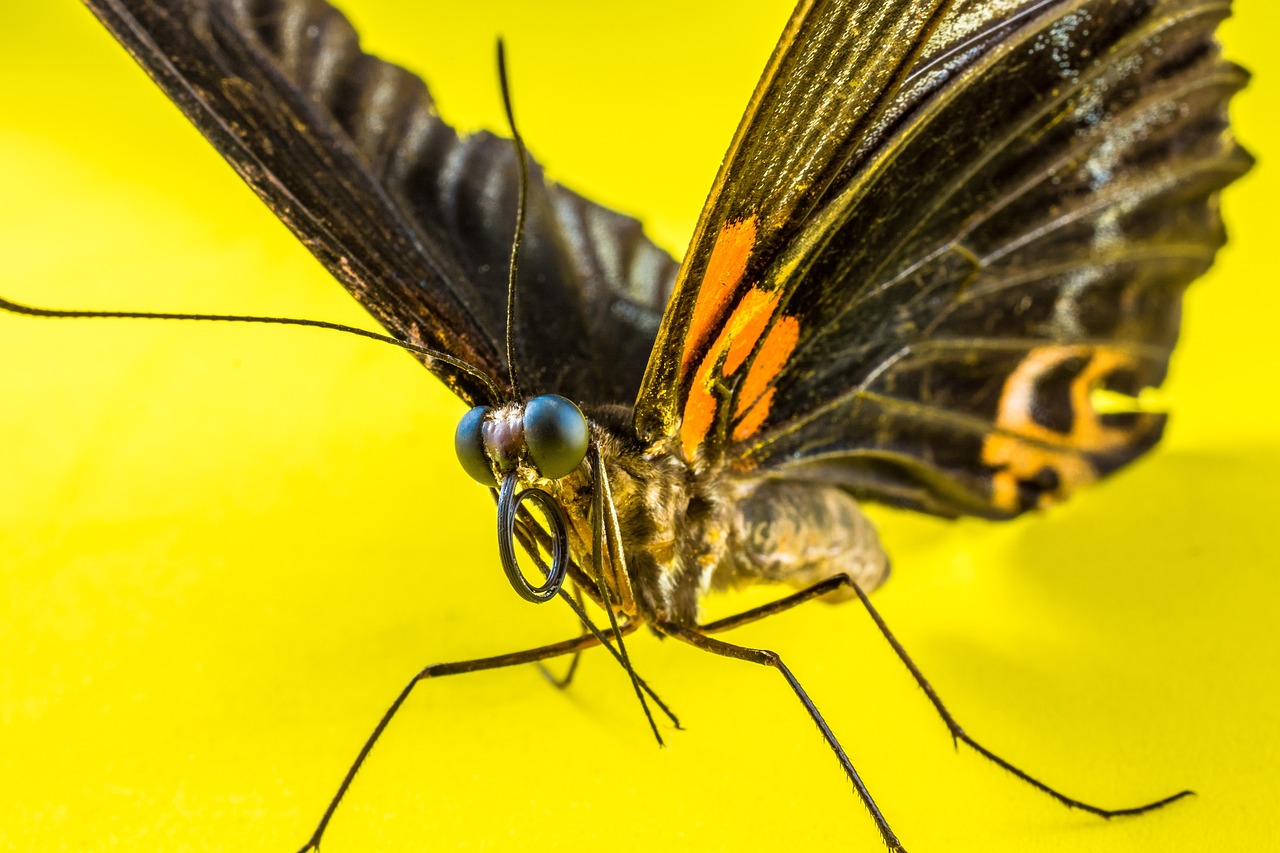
{"type": "Point", "coordinates": [223, 550]}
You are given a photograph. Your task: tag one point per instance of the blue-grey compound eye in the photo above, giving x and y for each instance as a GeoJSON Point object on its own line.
{"type": "Point", "coordinates": [468, 441]}
{"type": "Point", "coordinates": [555, 431]}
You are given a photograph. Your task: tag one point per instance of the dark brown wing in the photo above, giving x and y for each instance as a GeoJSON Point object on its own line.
{"type": "Point", "coordinates": [926, 315]}
{"type": "Point", "coordinates": [829, 79]}
{"type": "Point", "coordinates": [414, 221]}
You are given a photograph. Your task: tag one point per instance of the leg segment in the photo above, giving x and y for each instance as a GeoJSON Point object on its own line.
{"type": "Point", "coordinates": [563, 682]}
{"type": "Point", "coordinates": [603, 640]}
{"type": "Point", "coordinates": [767, 658]}
{"type": "Point", "coordinates": [437, 671]}
{"type": "Point", "coordinates": [958, 734]}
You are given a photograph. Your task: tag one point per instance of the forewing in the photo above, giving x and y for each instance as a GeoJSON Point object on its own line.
{"type": "Point", "coordinates": [827, 83]}
{"type": "Point", "coordinates": [1014, 233]}
{"type": "Point", "coordinates": [413, 220]}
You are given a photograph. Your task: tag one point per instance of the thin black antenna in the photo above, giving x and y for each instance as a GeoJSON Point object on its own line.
{"type": "Point", "coordinates": [30, 311]}
{"type": "Point", "coordinates": [520, 204]}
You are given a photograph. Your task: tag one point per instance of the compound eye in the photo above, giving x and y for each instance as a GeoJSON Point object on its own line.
{"type": "Point", "coordinates": [555, 431]}
{"type": "Point", "coordinates": [468, 441]}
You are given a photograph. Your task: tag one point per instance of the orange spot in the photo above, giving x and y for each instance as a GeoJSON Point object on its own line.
{"type": "Point", "coordinates": [745, 326]}
{"type": "Point", "coordinates": [754, 417]}
{"type": "Point", "coordinates": [725, 268]}
{"type": "Point", "coordinates": [774, 352]}
{"type": "Point", "coordinates": [1020, 448]}
{"type": "Point", "coordinates": [734, 344]}
{"type": "Point", "coordinates": [699, 412]}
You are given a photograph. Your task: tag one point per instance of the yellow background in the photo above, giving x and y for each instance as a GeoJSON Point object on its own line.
{"type": "Point", "coordinates": [223, 550]}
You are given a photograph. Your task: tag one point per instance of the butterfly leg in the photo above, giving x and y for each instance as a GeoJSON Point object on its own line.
{"type": "Point", "coordinates": [764, 657]}
{"type": "Point", "coordinates": [958, 734]}
{"type": "Point", "coordinates": [617, 630]}
{"type": "Point", "coordinates": [440, 670]}
{"type": "Point", "coordinates": [562, 682]}
{"type": "Point", "coordinates": [533, 538]}
{"type": "Point", "coordinates": [746, 617]}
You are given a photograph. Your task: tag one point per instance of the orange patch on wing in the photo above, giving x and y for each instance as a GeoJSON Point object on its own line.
{"type": "Point", "coordinates": [725, 269]}
{"type": "Point", "coordinates": [733, 346]}
{"type": "Point", "coordinates": [699, 414]}
{"type": "Point", "coordinates": [745, 326]}
{"type": "Point", "coordinates": [774, 352]}
{"type": "Point", "coordinates": [1022, 448]}
{"type": "Point", "coordinates": [753, 418]}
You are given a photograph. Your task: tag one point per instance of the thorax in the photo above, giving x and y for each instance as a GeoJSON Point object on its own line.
{"type": "Point", "coordinates": [688, 530]}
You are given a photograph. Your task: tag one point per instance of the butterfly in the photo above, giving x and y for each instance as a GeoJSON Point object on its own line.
{"type": "Point", "coordinates": [857, 319]}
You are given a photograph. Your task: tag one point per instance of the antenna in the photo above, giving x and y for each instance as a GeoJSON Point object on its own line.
{"type": "Point", "coordinates": [30, 311]}
{"type": "Point", "coordinates": [520, 209]}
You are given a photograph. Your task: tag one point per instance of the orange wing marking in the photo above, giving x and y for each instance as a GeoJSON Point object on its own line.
{"type": "Point", "coordinates": [725, 268]}
{"type": "Point", "coordinates": [1023, 449]}
{"type": "Point", "coordinates": [756, 395]}
{"type": "Point", "coordinates": [732, 347]}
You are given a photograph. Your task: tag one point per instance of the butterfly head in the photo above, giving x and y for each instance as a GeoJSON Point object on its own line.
{"type": "Point", "coordinates": [544, 439]}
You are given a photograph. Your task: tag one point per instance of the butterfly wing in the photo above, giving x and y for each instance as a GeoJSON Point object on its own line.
{"type": "Point", "coordinates": [914, 292]}
{"type": "Point", "coordinates": [415, 221]}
